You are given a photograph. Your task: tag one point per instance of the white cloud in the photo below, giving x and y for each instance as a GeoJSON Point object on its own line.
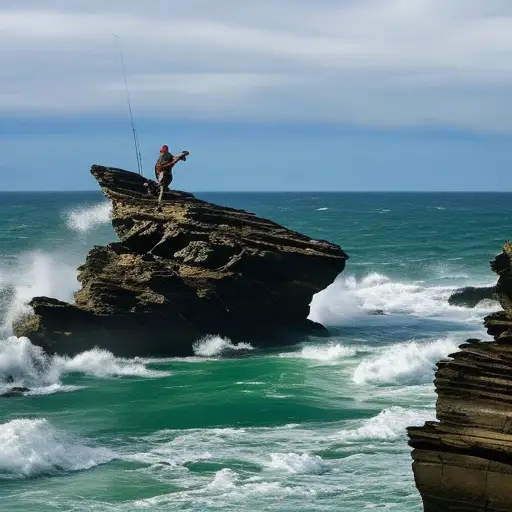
{"type": "Point", "coordinates": [376, 62]}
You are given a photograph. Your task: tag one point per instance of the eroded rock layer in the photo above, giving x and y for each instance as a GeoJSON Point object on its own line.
{"type": "Point", "coordinates": [181, 271]}
{"type": "Point", "coordinates": [463, 461]}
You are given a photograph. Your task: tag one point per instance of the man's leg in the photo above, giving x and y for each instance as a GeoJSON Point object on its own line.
{"type": "Point", "coordinates": [165, 180]}
{"type": "Point", "coordinates": [160, 186]}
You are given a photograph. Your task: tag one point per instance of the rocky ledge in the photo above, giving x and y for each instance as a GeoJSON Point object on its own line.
{"type": "Point", "coordinates": [181, 271]}
{"type": "Point", "coordinates": [463, 461]}
{"type": "Point", "coordinates": [470, 296]}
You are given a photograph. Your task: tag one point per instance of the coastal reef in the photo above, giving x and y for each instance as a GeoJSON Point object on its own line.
{"type": "Point", "coordinates": [463, 461]}
{"type": "Point", "coordinates": [180, 271]}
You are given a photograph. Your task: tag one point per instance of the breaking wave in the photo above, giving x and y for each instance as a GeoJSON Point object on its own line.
{"type": "Point", "coordinates": [389, 425]}
{"type": "Point", "coordinates": [404, 363]}
{"type": "Point", "coordinates": [212, 346]}
{"type": "Point", "coordinates": [35, 274]}
{"type": "Point", "coordinates": [86, 219]}
{"type": "Point", "coordinates": [102, 363]}
{"type": "Point", "coordinates": [328, 353]}
{"type": "Point", "coordinates": [30, 448]}
{"type": "Point", "coordinates": [224, 479]}
{"type": "Point", "coordinates": [23, 364]}
{"type": "Point", "coordinates": [348, 297]}
{"type": "Point", "coordinates": [298, 464]}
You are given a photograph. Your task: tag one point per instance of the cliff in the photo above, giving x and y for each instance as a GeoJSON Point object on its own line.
{"type": "Point", "coordinates": [181, 271]}
{"type": "Point", "coordinates": [463, 462]}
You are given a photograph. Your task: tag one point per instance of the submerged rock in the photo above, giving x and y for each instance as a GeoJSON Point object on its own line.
{"type": "Point", "coordinates": [16, 391]}
{"type": "Point", "coordinates": [463, 461]}
{"type": "Point", "coordinates": [181, 271]}
{"type": "Point", "coordinates": [470, 296]}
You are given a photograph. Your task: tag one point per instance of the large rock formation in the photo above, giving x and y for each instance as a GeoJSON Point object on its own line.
{"type": "Point", "coordinates": [463, 462]}
{"type": "Point", "coordinates": [181, 271]}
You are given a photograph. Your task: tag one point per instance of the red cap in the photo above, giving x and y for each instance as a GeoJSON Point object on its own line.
{"type": "Point", "coordinates": [164, 149]}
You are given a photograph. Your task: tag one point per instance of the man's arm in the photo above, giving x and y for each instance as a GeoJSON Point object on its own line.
{"type": "Point", "coordinates": [175, 160]}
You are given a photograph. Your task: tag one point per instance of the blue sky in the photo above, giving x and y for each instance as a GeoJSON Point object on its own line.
{"type": "Point", "coordinates": [289, 95]}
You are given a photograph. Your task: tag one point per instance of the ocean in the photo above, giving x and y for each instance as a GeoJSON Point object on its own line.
{"type": "Point", "coordinates": [319, 426]}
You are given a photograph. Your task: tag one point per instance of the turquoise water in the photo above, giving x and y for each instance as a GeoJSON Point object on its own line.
{"type": "Point", "coordinates": [315, 427]}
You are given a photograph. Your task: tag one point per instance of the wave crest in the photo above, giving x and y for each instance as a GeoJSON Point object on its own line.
{"type": "Point", "coordinates": [298, 464]}
{"type": "Point", "coordinates": [404, 363]}
{"type": "Point", "coordinates": [212, 346]}
{"type": "Point", "coordinates": [31, 448]}
{"type": "Point", "coordinates": [102, 363]}
{"type": "Point", "coordinates": [348, 297]}
{"type": "Point", "coordinates": [389, 425]}
{"type": "Point", "coordinates": [328, 353]}
{"type": "Point", "coordinates": [36, 274]}
{"type": "Point", "coordinates": [23, 364]}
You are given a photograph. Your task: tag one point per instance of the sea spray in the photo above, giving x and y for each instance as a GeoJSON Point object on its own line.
{"type": "Point", "coordinates": [25, 364]}
{"type": "Point", "coordinates": [389, 425]}
{"type": "Point", "coordinates": [404, 363]}
{"type": "Point", "coordinates": [86, 219]}
{"type": "Point", "coordinates": [327, 353]}
{"type": "Point", "coordinates": [331, 352]}
{"type": "Point", "coordinates": [33, 447]}
{"type": "Point", "coordinates": [35, 274]}
{"type": "Point", "coordinates": [213, 346]}
{"type": "Point", "coordinates": [347, 299]}
{"type": "Point", "coordinates": [28, 366]}
{"type": "Point", "coordinates": [295, 463]}
{"type": "Point", "coordinates": [225, 479]}
{"type": "Point", "coordinates": [102, 363]}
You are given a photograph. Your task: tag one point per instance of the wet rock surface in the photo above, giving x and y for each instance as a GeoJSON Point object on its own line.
{"type": "Point", "coordinates": [15, 391]}
{"type": "Point", "coordinates": [471, 296]}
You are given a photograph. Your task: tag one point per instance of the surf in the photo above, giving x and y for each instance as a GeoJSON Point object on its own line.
{"type": "Point", "coordinates": [34, 448]}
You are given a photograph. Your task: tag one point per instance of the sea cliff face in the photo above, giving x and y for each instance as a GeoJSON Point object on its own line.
{"type": "Point", "coordinates": [463, 461]}
{"type": "Point", "coordinates": [183, 270]}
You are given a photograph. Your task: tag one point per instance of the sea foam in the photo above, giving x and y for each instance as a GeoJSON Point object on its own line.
{"type": "Point", "coordinates": [389, 425]}
{"type": "Point", "coordinates": [225, 479]}
{"type": "Point", "coordinates": [33, 447]}
{"type": "Point", "coordinates": [404, 363]}
{"type": "Point", "coordinates": [28, 366]}
{"type": "Point", "coordinates": [327, 353]}
{"type": "Point", "coordinates": [213, 346]}
{"type": "Point", "coordinates": [347, 298]}
{"type": "Point", "coordinates": [298, 463]}
{"type": "Point", "coordinates": [35, 274]}
{"type": "Point", "coordinates": [102, 363]}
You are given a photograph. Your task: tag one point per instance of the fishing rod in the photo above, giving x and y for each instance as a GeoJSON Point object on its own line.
{"type": "Point", "coordinates": [135, 136]}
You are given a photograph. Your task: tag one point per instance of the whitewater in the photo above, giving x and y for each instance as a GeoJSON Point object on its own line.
{"type": "Point", "coordinates": [316, 426]}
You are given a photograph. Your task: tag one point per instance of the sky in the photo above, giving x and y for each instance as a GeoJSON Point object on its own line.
{"type": "Point", "coordinates": [352, 95]}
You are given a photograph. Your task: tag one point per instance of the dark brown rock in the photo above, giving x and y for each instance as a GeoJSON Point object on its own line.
{"type": "Point", "coordinates": [16, 391]}
{"type": "Point", "coordinates": [471, 296]}
{"type": "Point", "coordinates": [181, 271]}
{"type": "Point", "coordinates": [463, 462]}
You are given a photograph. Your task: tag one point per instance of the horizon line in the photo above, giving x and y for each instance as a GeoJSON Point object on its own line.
{"type": "Point", "coordinates": [75, 191]}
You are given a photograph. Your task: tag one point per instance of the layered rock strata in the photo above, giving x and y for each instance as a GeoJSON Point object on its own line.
{"type": "Point", "coordinates": [463, 461]}
{"type": "Point", "coordinates": [183, 270]}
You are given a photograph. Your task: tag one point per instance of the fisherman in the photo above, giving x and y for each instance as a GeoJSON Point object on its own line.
{"type": "Point", "coordinates": [163, 170]}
